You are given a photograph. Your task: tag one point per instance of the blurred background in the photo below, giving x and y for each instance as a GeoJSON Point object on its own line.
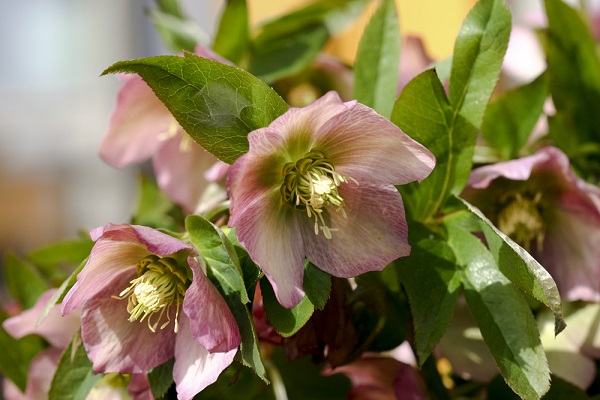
{"type": "Point", "coordinates": [54, 107]}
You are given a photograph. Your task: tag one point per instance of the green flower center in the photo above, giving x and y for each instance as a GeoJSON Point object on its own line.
{"type": "Point", "coordinates": [160, 285]}
{"type": "Point", "coordinates": [521, 219]}
{"type": "Point", "coordinates": [311, 184]}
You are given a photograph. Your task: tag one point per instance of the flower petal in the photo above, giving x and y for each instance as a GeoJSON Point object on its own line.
{"type": "Point", "coordinates": [55, 328]}
{"type": "Point", "coordinates": [365, 146]}
{"type": "Point", "coordinates": [114, 344]}
{"type": "Point", "coordinates": [195, 367]}
{"type": "Point", "coordinates": [136, 125]}
{"type": "Point", "coordinates": [139, 387]}
{"type": "Point", "coordinates": [211, 322]}
{"type": "Point", "coordinates": [160, 243]}
{"type": "Point", "coordinates": [373, 234]}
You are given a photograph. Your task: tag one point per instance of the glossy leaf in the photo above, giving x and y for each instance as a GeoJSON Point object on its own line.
{"type": "Point", "coordinates": [317, 285]}
{"type": "Point", "coordinates": [218, 105]}
{"type": "Point", "coordinates": [161, 379]}
{"type": "Point", "coordinates": [232, 37]}
{"type": "Point", "coordinates": [378, 60]}
{"type": "Point", "coordinates": [286, 321]}
{"type": "Point", "coordinates": [23, 280]}
{"type": "Point", "coordinates": [503, 315]}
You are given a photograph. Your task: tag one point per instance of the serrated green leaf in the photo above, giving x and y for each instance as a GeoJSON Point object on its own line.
{"type": "Point", "coordinates": [232, 37]}
{"type": "Point", "coordinates": [74, 376]}
{"type": "Point", "coordinates": [216, 104]}
{"type": "Point", "coordinates": [560, 389]}
{"type": "Point", "coordinates": [510, 118]}
{"type": "Point", "coordinates": [16, 355]}
{"type": "Point", "coordinates": [161, 379]}
{"type": "Point", "coordinates": [378, 60]}
{"type": "Point", "coordinates": [431, 281]}
{"type": "Point", "coordinates": [520, 267]}
{"type": "Point", "coordinates": [478, 53]}
{"type": "Point", "coordinates": [24, 282]}
{"type": "Point", "coordinates": [286, 321]}
{"type": "Point", "coordinates": [317, 285]}
{"type": "Point", "coordinates": [503, 316]}
{"type": "Point", "coordinates": [423, 112]}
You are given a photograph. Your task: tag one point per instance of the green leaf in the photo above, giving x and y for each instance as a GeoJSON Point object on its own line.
{"type": "Point", "coordinates": [64, 254]}
{"type": "Point", "coordinates": [317, 285]}
{"type": "Point", "coordinates": [286, 321]}
{"type": "Point", "coordinates": [560, 389]}
{"type": "Point", "coordinates": [504, 317]}
{"type": "Point", "coordinates": [16, 355]}
{"type": "Point", "coordinates": [154, 208]}
{"type": "Point", "coordinates": [520, 267]}
{"type": "Point", "coordinates": [423, 112]}
{"type": "Point", "coordinates": [510, 118]}
{"type": "Point", "coordinates": [478, 53]}
{"type": "Point", "coordinates": [232, 37]}
{"type": "Point", "coordinates": [378, 60]}
{"type": "Point", "coordinates": [161, 378]}
{"type": "Point", "coordinates": [74, 376]}
{"type": "Point", "coordinates": [24, 282]}
{"type": "Point", "coordinates": [216, 104]}
{"type": "Point", "coordinates": [431, 281]}
{"type": "Point", "coordinates": [224, 270]}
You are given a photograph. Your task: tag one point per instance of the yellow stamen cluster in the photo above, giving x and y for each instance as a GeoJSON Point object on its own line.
{"type": "Point", "coordinates": [185, 143]}
{"type": "Point", "coordinates": [311, 184]}
{"type": "Point", "coordinates": [161, 283]}
{"type": "Point", "coordinates": [520, 218]}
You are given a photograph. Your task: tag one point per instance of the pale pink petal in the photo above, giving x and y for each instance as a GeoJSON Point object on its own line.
{"type": "Point", "coordinates": [524, 59]}
{"type": "Point", "coordinates": [40, 374]}
{"type": "Point", "coordinates": [160, 243]}
{"type": "Point", "coordinates": [179, 167]}
{"type": "Point", "coordinates": [367, 147]}
{"type": "Point", "coordinates": [136, 125]}
{"type": "Point", "coordinates": [139, 387]}
{"type": "Point", "coordinates": [211, 322]}
{"type": "Point", "coordinates": [373, 234]}
{"type": "Point", "coordinates": [55, 328]}
{"type": "Point", "coordinates": [217, 172]}
{"type": "Point", "coordinates": [195, 367]}
{"type": "Point", "coordinates": [115, 344]}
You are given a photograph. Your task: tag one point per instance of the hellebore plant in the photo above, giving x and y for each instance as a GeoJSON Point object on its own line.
{"type": "Point", "coordinates": [541, 204]}
{"type": "Point", "coordinates": [145, 299]}
{"type": "Point", "coordinates": [318, 182]}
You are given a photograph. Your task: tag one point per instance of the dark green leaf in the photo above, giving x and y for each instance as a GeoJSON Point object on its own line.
{"type": "Point", "coordinates": [317, 285]}
{"type": "Point", "coordinates": [423, 112]}
{"type": "Point", "coordinates": [24, 282]}
{"type": "Point", "coordinates": [378, 60]}
{"type": "Point", "coordinates": [510, 118]}
{"type": "Point", "coordinates": [231, 39]}
{"type": "Point", "coordinates": [504, 317]}
{"type": "Point", "coordinates": [431, 281]}
{"type": "Point", "coordinates": [478, 53]}
{"type": "Point", "coordinates": [286, 321]}
{"type": "Point", "coordinates": [74, 376]}
{"type": "Point", "coordinates": [161, 378]}
{"type": "Point", "coordinates": [218, 105]}
{"type": "Point", "coordinates": [170, 7]}
{"type": "Point", "coordinates": [520, 267]}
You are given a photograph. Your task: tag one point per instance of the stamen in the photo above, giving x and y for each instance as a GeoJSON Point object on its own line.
{"type": "Point", "coordinates": [521, 219]}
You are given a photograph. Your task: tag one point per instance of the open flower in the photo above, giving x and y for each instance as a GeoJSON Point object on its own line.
{"type": "Point", "coordinates": [145, 299]}
{"type": "Point", "coordinates": [541, 204]}
{"type": "Point", "coordinates": [141, 128]}
{"type": "Point", "coordinates": [318, 182]}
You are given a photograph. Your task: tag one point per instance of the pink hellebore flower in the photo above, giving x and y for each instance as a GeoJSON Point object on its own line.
{"type": "Point", "coordinates": [318, 182]}
{"type": "Point", "coordinates": [541, 204]}
{"type": "Point", "coordinates": [144, 300]}
{"type": "Point", "coordinates": [141, 127]}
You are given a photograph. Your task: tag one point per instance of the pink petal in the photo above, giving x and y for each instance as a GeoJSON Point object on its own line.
{"type": "Point", "coordinates": [115, 344]}
{"type": "Point", "coordinates": [179, 171]}
{"type": "Point", "coordinates": [40, 374]}
{"type": "Point", "coordinates": [139, 387]}
{"type": "Point", "coordinates": [211, 322]}
{"type": "Point", "coordinates": [217, 172]}
{"type": "Point", "coordinates": [55, 328]}
{"type": "Point", "coordinates": [195, 367]}
{"type": "Point", "coordinates": [414, 60]}
{"type": "Point", "coordinates": [373, 234]}
{"type": "Point", "coordinates": [160, 243]}
{"type": "Point", "coordinates": [136, 125]}
{"type": "Point", "coordinates": [365, 146]}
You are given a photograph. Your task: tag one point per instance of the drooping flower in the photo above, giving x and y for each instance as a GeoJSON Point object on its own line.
{"type": "Point", "coordinates": [141, 128]}
{"type": "Point", "coordinates": [541, 204]}
{"type": "Point", "coordinates": [318, 182]}
{"type": "Point", "coordinates": [145, 299]}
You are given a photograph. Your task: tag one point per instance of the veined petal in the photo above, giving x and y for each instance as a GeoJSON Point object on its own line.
{"type": "Point", "coordinates": [211, 322]}
{"type": "Point", "coordinates": [365, 146]}
{"type": "Point", "coordinates": [114, 344]}
{"type": "Point", "coordinates": [373, 234]}
{"type": "Point", "coordinates": [55, 328]}
{"type": "Point", "coordinates": [160, 243]}
{"type": "Point", "coordinates": [195, 367]}
{"type": "Point", "coordinates": [136, 125]}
